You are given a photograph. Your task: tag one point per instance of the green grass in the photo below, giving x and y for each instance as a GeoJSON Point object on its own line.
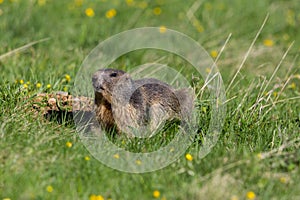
{"type": "Point", "coordinates": [257, 151]}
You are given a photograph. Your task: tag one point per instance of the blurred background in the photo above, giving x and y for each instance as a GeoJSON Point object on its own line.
{"type": "Point", "coordinates": [75, 27]}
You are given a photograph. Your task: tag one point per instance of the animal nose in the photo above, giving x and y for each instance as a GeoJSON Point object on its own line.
{"type": "Point", "coordinates": [97, 85]}
{"type": "Point", "coordinates": [98, 81]}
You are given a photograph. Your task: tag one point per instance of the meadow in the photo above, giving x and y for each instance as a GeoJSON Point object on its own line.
{"type": "Point", "coordinates": [256, 46]}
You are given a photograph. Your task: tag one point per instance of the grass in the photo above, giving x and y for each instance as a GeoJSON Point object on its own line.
{"type": "Point", "coordinates": [258, 150]}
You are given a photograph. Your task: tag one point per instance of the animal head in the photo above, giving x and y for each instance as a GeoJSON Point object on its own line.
{"type": "Point", "coordinates": [105, 81]}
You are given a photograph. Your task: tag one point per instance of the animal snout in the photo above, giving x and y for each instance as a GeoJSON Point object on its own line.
{"type": "Point", "coordinates": [97, 83]}
{"type": "Point", "coordinates": [98, 87]}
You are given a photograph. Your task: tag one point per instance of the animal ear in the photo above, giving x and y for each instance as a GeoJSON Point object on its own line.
{"type": "Point", "coordinates": [126, 77]}
{"type": "Point", "coordinates": [127, 82]}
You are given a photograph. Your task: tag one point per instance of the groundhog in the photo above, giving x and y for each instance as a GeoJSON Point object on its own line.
{"type": "Point", "coordinates": [137, 107]}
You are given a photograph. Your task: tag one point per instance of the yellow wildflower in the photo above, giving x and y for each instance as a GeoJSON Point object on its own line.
{"type": "Point", "coordinates": [68, 77]}
{"type": "Point", "coordinates": [69, 144]}
{"type": "Point", "coordinates": [21, 81]}
{"type": "Point", "coordinates": [65, 89]}
{"type": "Point", "coordinates": [1, 1]}
{"type": "Point", "coordinates": [156, 194]}
{"type": "Point", "coordinates": [89, 12]}
{"type": "Point", "coordinates": [268, 42]}
{"type": "Point", "coordinates": [25, 86]}
{"type": "Point", "coordinates": [48, 86]}
{"type": "Point", "coordinates": [157, 11]}
{"type": "Point", "coordinates": [283, 180]}
{"type": "Point", "coordinates": [259, 156]}
{"type": "Point", "coordinates": [292, 86]}
{"type": "Point", "coordinates": [214, 53]}
{"type": "Point", "coordinates": [138, 162]}
{"type": "Point", "coordinates": [99, 197]}
{"type": "Point", "coordinates": [111, 13]}
{"type": "Point", "coordinates": [189, 157]}
{"type": "Point", "coordinates": [49, 188]}
{"type": "Point", "coordinates": [41, 2]}
{"type": "Point", "coordinates": [162, 29]}
{"type": "Point", "coordinates": [116, 156]}
{"type": "Point", "coordinates": [250, 195]}
{"type": "Point", "coordinates": [96, 197]}
{"type": "Point", "coordinates": [275, 94]}
{"type": "Point", "coordinates": [196, 23]}
{"type": "Point", "coordinates": [200, 28]}
{"type": "Point", "coordinates": [208, 70]}
{"type": "Point", "coordinates": [87, 158]}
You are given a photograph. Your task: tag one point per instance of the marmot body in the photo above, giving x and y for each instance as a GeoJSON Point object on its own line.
{"type": "Point", "coordinates": [142, 104]}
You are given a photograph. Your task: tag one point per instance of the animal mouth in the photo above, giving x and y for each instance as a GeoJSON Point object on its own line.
{"type": "Point", "coordinates": [99, 88]}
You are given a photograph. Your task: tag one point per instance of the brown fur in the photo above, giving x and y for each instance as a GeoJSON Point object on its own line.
{"type": "Point", "coordinates": [123, 103]}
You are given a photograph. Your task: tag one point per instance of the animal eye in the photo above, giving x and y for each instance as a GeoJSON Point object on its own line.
{"type": "Point", "coordinates": [114, 74]}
